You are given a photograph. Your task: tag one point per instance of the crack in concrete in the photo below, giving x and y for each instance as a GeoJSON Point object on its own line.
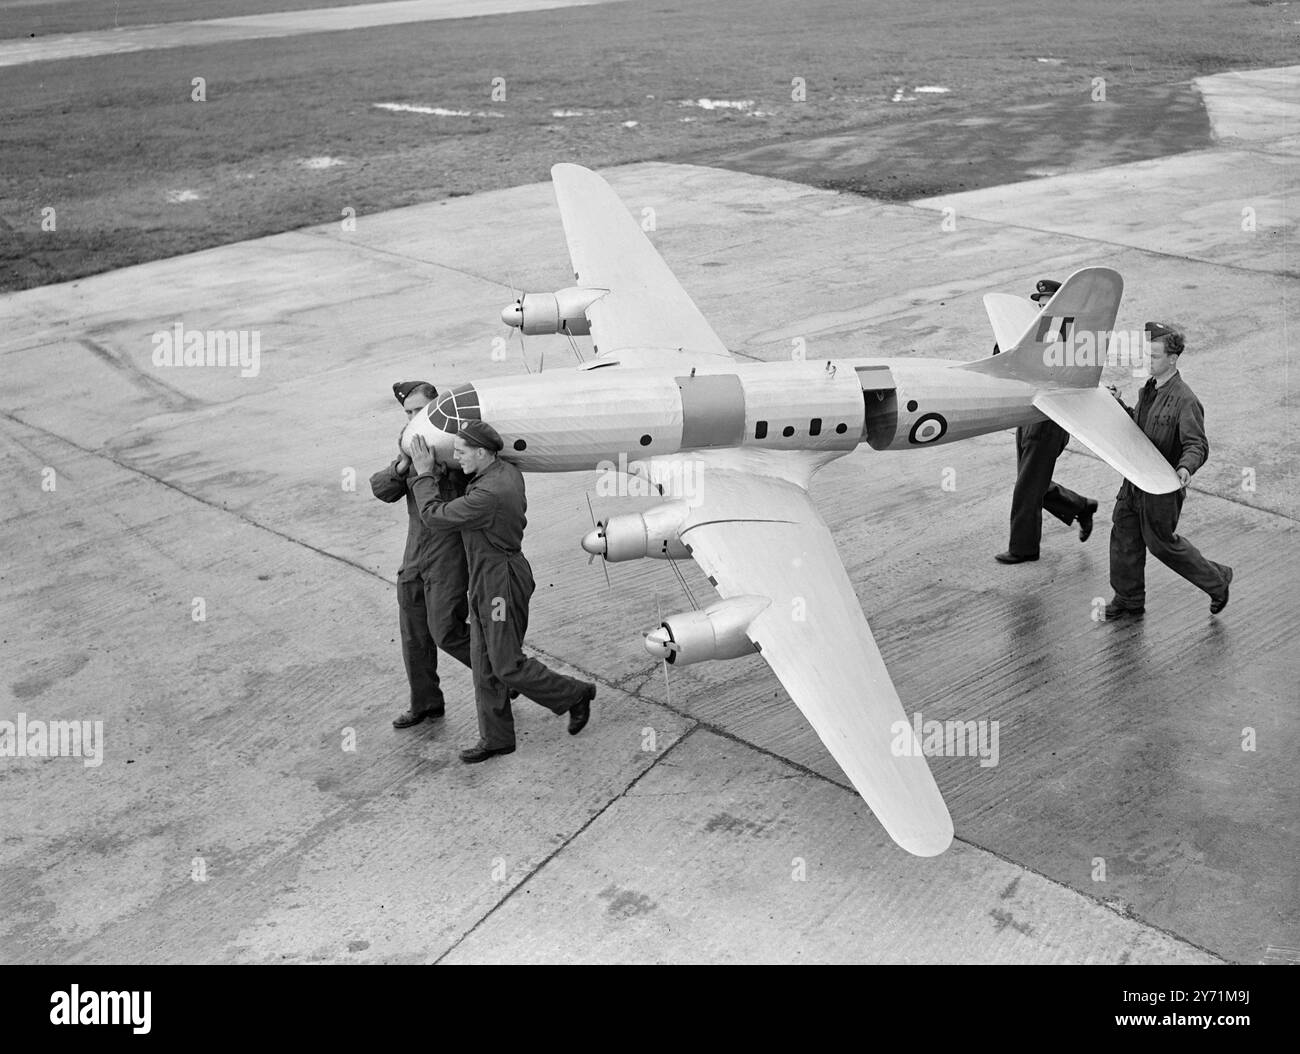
{"type": "Point", "coordinates": [566, 843]}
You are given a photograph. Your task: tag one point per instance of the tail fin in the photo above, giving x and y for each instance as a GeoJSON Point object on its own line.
{"type": "Point", "coordinates": [1064, 346]}
{"type": "Point", "coordinates": [1060, 351]}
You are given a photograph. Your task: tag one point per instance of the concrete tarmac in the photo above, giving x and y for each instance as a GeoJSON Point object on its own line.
{"type": "Point", "coordinates": [195, 561]}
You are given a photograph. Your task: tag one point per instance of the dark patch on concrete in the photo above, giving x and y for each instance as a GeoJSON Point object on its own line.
{"type": "Point", "coordinates": [240, 479]}
{"type": "Point", "coordinates": [1010, 891]}
{"type": "Point", "coordinates": [170, 398]}
{"type": "Point", "coordinates": [625, 903]}
{"type": "Point", "coordinates": [51, 672]}
{"type": "Point", "coordinates": [729, 824]}
{"type": "Point", "coordinates": [1003, 919]}
{"type": "Point", "coordinates": [413, 783]}
{"type": "Point", "coordinates": [955, 150]}
{"type": "Point", "coordinates": [358, 946]}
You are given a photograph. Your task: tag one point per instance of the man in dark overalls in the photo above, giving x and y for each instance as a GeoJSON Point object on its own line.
{"type": "Point", "coordinates": [1038, 445]}
{"type": "Point", "coordinates": [491, 520]}
{"type": "Point", "coordinates": [1172, 418]}
{"type": "Point", "coordinates": [432, 581]}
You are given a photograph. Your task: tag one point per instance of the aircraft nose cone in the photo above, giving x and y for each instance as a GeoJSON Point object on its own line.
{"type": "Point", "coordinates": [513, 315]}
{"type": "Point", "coordinates": [405, 442]}
{"type": "Point", "coordinates": [594, 542]}
{"type": "Point", "coordinates": [659, 644]}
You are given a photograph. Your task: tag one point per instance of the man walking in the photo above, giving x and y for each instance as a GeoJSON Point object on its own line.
{"type": "Point", "coordinates": [491, 519]}
{"type": "Point", "coordinates": [1038, 445]}
{"type": "Point", "coordinates": [431, 583]}
{"type": "Point", "coordinates": [1172, 418]}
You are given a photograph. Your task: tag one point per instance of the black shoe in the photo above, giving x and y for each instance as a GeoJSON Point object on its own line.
{"type": "Point", "coordinates": [1117, 610]}
{"type": "Point", "coordinates": [478, 752]}
{"type": "Point", "coordinates": [1085, 520]}
{"type": "Point", "coordinates": [1012, 558]}
{"type": "Point", "coordinates": [580, 712]}
{"type": "Point", "coordinates": [410, 717]}
{"type": "Point", "coordinates": [1220, 602]}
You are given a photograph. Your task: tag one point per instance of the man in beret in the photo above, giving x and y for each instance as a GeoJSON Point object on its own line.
{"type": "Point", "coordinates": [1038, 445]}
{"type": "Point", "coordinates": [432, 606]}
{"type": "Point", "coordinates": [1172, 418]}
{"type": "Point", "coordinates": [491, 519]}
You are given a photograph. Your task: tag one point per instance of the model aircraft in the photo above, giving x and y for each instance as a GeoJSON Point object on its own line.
{"type": "Point", "coordinates": [665, 397]}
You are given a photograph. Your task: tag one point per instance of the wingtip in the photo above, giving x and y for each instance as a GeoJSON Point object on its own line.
{"type": "Point", "coordinates": [933, 842]}
{"type": "Point", "coordinates": [561, 168]}
{"type": "Point", "coordinates": [1110, 273]}
{"type": "Point", "coordinates": [924, 828]}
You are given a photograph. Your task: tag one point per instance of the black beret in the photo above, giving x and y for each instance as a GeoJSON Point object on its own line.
{"type": "Point", "coordinates": [1045, 290]}
{"type": "Point", "coordinates": [1159, 330]}
{"type": "Point", "coordinates": [1172, 336]}
{"type": "Point", "coordinates": [401, 389]}
{"type": "Point", "coordinates": [482, 434]}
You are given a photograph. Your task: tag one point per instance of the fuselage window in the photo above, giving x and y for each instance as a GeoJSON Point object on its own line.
{"type": "Point", "coordinates": [788, 431]}
{"type": "Point", "coordinates": [815, 426]}
{"type": "Point", "coordinates": [760, 430]}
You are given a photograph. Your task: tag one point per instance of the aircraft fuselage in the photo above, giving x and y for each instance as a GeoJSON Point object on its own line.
{"type": "Point", "coordinates": [571, 420]}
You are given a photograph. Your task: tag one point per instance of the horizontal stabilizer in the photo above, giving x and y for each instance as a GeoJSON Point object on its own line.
{"type": "Point", "coordinates": [1096, 419]}
{"type": "Point", "coordinates": [1010, 316]}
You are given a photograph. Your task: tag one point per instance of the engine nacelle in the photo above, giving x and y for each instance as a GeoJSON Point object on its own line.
{"type": "Point", "coordinates": [720, 631]}
{"type": "Point", "coordinates": [563, 311]}
{"type": "Point", "coordinates": [652, 533]}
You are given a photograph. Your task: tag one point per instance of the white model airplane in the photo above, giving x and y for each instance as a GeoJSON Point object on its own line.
{"type": "Point", "coordinates": [664, 392]}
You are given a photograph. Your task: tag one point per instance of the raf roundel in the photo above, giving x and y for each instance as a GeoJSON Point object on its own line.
{"type": "Point", "coordinates": [928, 428]}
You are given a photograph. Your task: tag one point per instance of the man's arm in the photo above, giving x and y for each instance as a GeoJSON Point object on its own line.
{"type": "Point", "coordinates": [476, 510]}
{"type": "Point", "coordinates": [388, 484]}
{"type": "Point", "coordinates": [1191, 431]}
{"type": "Point", "coordinates": [1131, 411]}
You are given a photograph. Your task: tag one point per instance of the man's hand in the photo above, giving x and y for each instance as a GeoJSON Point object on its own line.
{"type": "Point", "coordinates": [421, 456]}
{"type": "Point", "coordinates": [1115, 392]}
{"type": "Point", "coordinates": [1183, 477]}
{"type": "Point", "coordinates": [403, 465]}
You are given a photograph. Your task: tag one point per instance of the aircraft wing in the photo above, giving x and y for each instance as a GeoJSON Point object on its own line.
{"type": "Point", "coordinates": [646, 307]}
{"type": "Point", "coordinates": [759, 534]}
